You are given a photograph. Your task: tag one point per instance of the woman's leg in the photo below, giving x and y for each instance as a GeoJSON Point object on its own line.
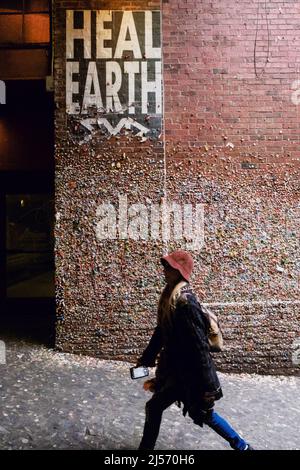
{"type": "Point", "coordinates": [223, 428]}
{"type": "Point", "coordinates": [154, 410]}
{"type": "Point", "coordinates": [203, 413]}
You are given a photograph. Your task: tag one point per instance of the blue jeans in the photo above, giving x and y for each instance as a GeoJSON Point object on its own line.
{"type": "Point", "coordinates": [223, 428]}
{"type": "Point", "coordinates": [202, 413]}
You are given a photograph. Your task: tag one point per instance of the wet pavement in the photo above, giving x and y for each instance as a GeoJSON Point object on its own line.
{"type": "Point", "coordinates": [51, 400]}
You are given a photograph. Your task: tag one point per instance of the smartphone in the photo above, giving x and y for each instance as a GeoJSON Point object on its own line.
{"type": "Point", "coordinates": [139, 372]}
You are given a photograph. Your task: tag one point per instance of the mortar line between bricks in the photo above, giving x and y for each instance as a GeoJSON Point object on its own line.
{"type": "Point", "coordinates": [255, 302]}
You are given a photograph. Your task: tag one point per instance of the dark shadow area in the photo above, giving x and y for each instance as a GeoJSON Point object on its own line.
{"type": "Point", "coordinates": [27, 303]}
{"type": "Point", "coordinates": [27, 320]}
{"type": "Point", "coordinates": [27, 128]}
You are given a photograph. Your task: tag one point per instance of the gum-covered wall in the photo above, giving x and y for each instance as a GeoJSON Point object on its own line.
{"type": "Point", "coordinates": [221, 131]}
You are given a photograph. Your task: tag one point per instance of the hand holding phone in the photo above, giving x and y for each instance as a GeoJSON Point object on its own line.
{"type": "Point", "coordinates": [139, 372]}
{"type": "Point", "coordinates": [139, 363]}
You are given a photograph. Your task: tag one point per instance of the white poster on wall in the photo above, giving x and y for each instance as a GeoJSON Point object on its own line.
{"type": "Point", "coordinates": [114, 70]}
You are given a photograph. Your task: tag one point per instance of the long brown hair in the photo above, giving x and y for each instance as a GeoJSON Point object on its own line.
{"type": "Point", "coordinates": [167, 303]}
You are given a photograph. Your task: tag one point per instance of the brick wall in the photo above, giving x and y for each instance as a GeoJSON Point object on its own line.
{"type": "Point", "coordinates": [98, 280]}
{"type": "Point", "coordinates": [213, 95]}
{"type": "Point", "coordinates": [231, 143]}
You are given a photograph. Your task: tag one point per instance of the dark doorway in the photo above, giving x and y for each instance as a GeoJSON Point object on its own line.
{"type": "Point", "coordinates": [27, 297]}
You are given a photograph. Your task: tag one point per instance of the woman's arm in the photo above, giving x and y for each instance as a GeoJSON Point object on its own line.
{"type": "Point", "coordinates": [149, 355]}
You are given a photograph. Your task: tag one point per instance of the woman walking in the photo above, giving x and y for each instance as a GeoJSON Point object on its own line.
{"type": "Point", "coordinates": [185, 371]}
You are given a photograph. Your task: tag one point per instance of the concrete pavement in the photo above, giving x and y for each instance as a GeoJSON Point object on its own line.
{"type": "Point", "coordinates": [51, 400]}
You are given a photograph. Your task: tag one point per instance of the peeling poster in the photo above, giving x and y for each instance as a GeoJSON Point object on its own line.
{"type": "Point", "coordinates": [114, 67]}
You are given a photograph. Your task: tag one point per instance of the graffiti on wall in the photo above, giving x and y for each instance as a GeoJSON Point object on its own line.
{"type": "Point", "coordinates": [114, 70]}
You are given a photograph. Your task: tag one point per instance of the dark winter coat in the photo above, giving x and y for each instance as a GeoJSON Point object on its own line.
{"type": "Point", "coordinates": [180, 340]}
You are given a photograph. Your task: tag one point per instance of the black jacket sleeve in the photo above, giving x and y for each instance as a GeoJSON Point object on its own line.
{"type": "Point", "coordinates": [155, 344]}
{"type": "Point", "coordinates": [195, 359]}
